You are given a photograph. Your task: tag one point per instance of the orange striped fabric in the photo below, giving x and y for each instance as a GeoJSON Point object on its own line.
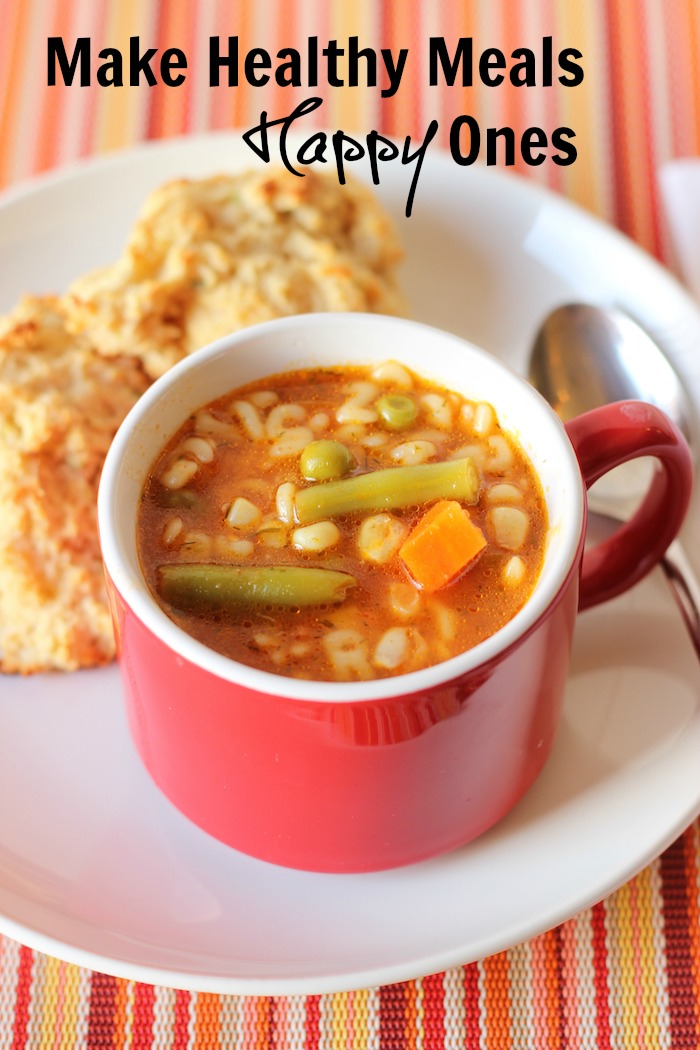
{"type": "Point", "coordinates": [638, 104]}
{"type": "Point", "coordinates": [625, 973]}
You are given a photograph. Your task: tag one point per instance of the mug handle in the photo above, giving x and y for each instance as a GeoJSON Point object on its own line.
{"type": "Point", "coordinates": [603, 439]}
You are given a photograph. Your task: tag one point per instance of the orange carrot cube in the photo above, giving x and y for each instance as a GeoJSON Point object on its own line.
{"type": "Point", "coordinates": [441, 545]}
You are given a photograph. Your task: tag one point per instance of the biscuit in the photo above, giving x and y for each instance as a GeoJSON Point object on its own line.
{"type": "Point", "coordinates": [205, 257]}
{"type": "Point", "coordinates": [60, 405]}
{"type": "Point", "coordinates": [209, 256]}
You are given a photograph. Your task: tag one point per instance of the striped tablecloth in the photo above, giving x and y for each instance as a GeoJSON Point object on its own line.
{"type": "Point", "coordinates": [625, 973]}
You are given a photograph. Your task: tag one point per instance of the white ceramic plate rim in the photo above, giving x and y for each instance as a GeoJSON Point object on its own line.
{"type": "Point", "coordinates": [372, 964]}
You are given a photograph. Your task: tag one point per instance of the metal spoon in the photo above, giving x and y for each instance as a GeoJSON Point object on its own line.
{"type": "Point", "coordinates": [584, 356]}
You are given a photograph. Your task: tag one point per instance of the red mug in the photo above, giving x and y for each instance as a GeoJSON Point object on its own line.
{"type": "Point", "coordinates": [362, 776]}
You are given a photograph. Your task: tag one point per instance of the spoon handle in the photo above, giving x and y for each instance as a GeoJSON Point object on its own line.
{"type": "Point", "coordinates": [685, 588]}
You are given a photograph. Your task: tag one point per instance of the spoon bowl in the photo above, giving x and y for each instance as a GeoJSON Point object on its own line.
{"type": "Point", "coordinates": [584, 356]}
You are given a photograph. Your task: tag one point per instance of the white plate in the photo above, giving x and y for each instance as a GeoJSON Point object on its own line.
{"type": "Point", "coordinates": [97, 868]}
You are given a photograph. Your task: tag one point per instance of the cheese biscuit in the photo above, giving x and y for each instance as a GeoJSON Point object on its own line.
{"type": "Point", "coordinates": [209, 256]}
{"type": "Point", "coordinates": [60, 405]}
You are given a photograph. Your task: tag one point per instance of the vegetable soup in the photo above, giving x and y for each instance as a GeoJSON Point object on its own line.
{"type": "Point", "coordinates": [342, 524]}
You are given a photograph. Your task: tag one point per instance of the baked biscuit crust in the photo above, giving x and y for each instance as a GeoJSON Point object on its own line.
{"type": "Point", "coordinates": [60, 405]}
{"type": "Point", "coordinates": [206, 257]}
{"type": "Point", "coordinates": [209, 256]}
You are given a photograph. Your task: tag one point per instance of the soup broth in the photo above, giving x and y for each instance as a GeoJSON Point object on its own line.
{"type": "Point", "coordinates": [342, 524]}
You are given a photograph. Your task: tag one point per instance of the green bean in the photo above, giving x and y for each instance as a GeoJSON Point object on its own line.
{"type": "Point", "coordinates": [397, 410]}
{"type": "Point", "coordinates": [176, 498]}
{"type": "Point", "coordinates": [325, 460]}
{"type": "Point", "coordinates": [223, 586]}
{"type": "Point", "coordinates": [389, 489]}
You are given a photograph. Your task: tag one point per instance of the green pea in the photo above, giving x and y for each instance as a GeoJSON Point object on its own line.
{"type": "Point", "coordinates": [397, 410]}
{"type": "Point", "coordinates": [326, 460]}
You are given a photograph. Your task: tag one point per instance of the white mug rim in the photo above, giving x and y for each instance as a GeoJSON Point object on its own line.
{"type": "Point", "coordinates": [121, 562]}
